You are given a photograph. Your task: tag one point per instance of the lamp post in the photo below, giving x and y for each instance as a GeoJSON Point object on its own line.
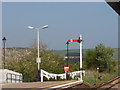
{"type": "Point", "coordinates": [4, 41]}
{"type": "Point", "coordinates": [67, 61]}
{"type": "Point", "coordinates": [67, 53]}
{"type": "Point", "coordinates": [38, 59]}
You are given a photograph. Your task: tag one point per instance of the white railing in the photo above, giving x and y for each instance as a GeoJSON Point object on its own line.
{"type": "Point", "coordinates": [9, 76]}
{"type": "Point", "coordinates": [13, 78]}
{"type": "Point", "coordinates": [51, 75]}
{"type": "Point", "coordinates": [77, 74]}
{"type": "Point", "coordinates": [61, 76]}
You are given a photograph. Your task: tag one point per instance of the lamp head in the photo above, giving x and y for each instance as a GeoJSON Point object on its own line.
{"type": "Point", "coordinates": [46, 26]}
{"type": "Point", "coordinates": [30, 27]}
{"type": "Point", "coordinates": [67, 43]}
{"type": "Point", "coordinates": [4, 39]}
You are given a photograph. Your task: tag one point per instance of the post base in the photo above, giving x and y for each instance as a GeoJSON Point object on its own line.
{"type": "Point", "coordinates": [39, 75]}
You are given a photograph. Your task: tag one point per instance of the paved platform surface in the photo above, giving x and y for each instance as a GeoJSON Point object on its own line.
{"type": "Point", "coordinates": [35, 85]}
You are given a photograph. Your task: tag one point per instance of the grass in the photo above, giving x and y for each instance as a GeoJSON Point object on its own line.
{"type": "Point", "coordinates": [94, 78]}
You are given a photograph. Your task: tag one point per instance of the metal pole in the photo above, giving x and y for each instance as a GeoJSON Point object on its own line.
{"type": "Point", "coordinates": [67, 53]}
{"type": "Point", "coordinates": [67, 61]}
{"type": "Point", "coordinates": [80, 52]}
{"type": "Point", "coordinates": [38, 56]}
{"type": "Point", "coordinates": [81, 58]}
{"type": "Point", "coordinates": [4, 56]}
{"type": "Point", "coordinates": [38, 59]}
{"type": "Point", "coordinates": [38, 45]}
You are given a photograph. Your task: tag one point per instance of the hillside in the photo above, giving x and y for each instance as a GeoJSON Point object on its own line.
{"type": "Point", "coordinates": [63, 52]}
{"type": "Point", "coordinates": [9, 52]}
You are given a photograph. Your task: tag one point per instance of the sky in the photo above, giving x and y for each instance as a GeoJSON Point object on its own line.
{"type": "Point", "coordinates": [97, 22]}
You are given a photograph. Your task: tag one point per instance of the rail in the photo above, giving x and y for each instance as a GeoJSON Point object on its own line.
{"type": "Point", "coordinates": [62, 76]}
{"type": "Point", "coordinates": [13, 78]}
{"type": "Point", "coordinates": [109, 84]}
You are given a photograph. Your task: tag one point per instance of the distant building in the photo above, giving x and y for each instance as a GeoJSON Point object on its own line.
{"type": "Point", "coordinates": [72, 55]}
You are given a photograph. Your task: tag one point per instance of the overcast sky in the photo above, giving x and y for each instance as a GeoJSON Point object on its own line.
{"type": "Point", "coordinates": [96, 21]}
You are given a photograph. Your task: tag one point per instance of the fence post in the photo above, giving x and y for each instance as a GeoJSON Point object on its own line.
{"type": "Point", "coordinates": [41, 75]}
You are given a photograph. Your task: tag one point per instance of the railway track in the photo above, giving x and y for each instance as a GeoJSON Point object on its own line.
{"type": "Point", "coordinates": [110, 84]}
{"type": "Point", "coordinates": [113, 84]}
{"type": "Point", "coordinates": [81, 86]}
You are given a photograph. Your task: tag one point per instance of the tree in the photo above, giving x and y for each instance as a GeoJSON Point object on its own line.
{"type": "Point", "coordinates": [103, 56]}
{"type": "Point", "coordinates": [99, 58]}
{"type": "Point", "coordinates": [90, 59]}
{"type": "Point", "coordinates": [24, 61]}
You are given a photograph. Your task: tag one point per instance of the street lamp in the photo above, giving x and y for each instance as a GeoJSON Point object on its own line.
{"type": "Point", "coordinates": [38, 59]}
{"type": "Point", "coordinates": [4, 41]}
{"type": "Point", "coordinates": [67, 60]}
{"type": "Point", "coordinates": [67, 53]}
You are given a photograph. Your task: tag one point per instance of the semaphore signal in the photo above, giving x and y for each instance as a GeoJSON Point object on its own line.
{"type": "Point", "coordinates": [75, 40]}
{"type": "Point", "coordinates": [79, 40]}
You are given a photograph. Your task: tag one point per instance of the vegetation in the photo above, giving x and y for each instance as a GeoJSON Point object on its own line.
{"type": "Point", "coordinates": [94, 78]}
{"type": "Point", "coordinates": [99, 65]}
{"type": "Point", "coordinates": [24, 61]}
{"type": "Point", "coordinates": [99, 58]}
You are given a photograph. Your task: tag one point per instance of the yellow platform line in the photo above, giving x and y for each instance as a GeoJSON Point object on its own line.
{"type": "Point", "coordinates": [55, 84]}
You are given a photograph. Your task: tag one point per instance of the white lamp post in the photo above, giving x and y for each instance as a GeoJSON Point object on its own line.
{"type": "Point", "coordinates": [38, 59]}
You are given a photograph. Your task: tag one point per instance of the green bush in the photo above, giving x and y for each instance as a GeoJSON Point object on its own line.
{"type": "Point", "coordinates": [100, 57]}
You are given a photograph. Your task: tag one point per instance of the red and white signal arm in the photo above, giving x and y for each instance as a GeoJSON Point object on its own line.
{"type": "Point", "coordinates": [66, 68]}
{"type": "Point", "coordinates": [74, 40]}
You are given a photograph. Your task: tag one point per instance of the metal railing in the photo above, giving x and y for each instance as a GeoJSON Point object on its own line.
{"type": "Point", "coordinates": [13, 78]}
{"type": "Point", "coordinates": [62, 76]}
